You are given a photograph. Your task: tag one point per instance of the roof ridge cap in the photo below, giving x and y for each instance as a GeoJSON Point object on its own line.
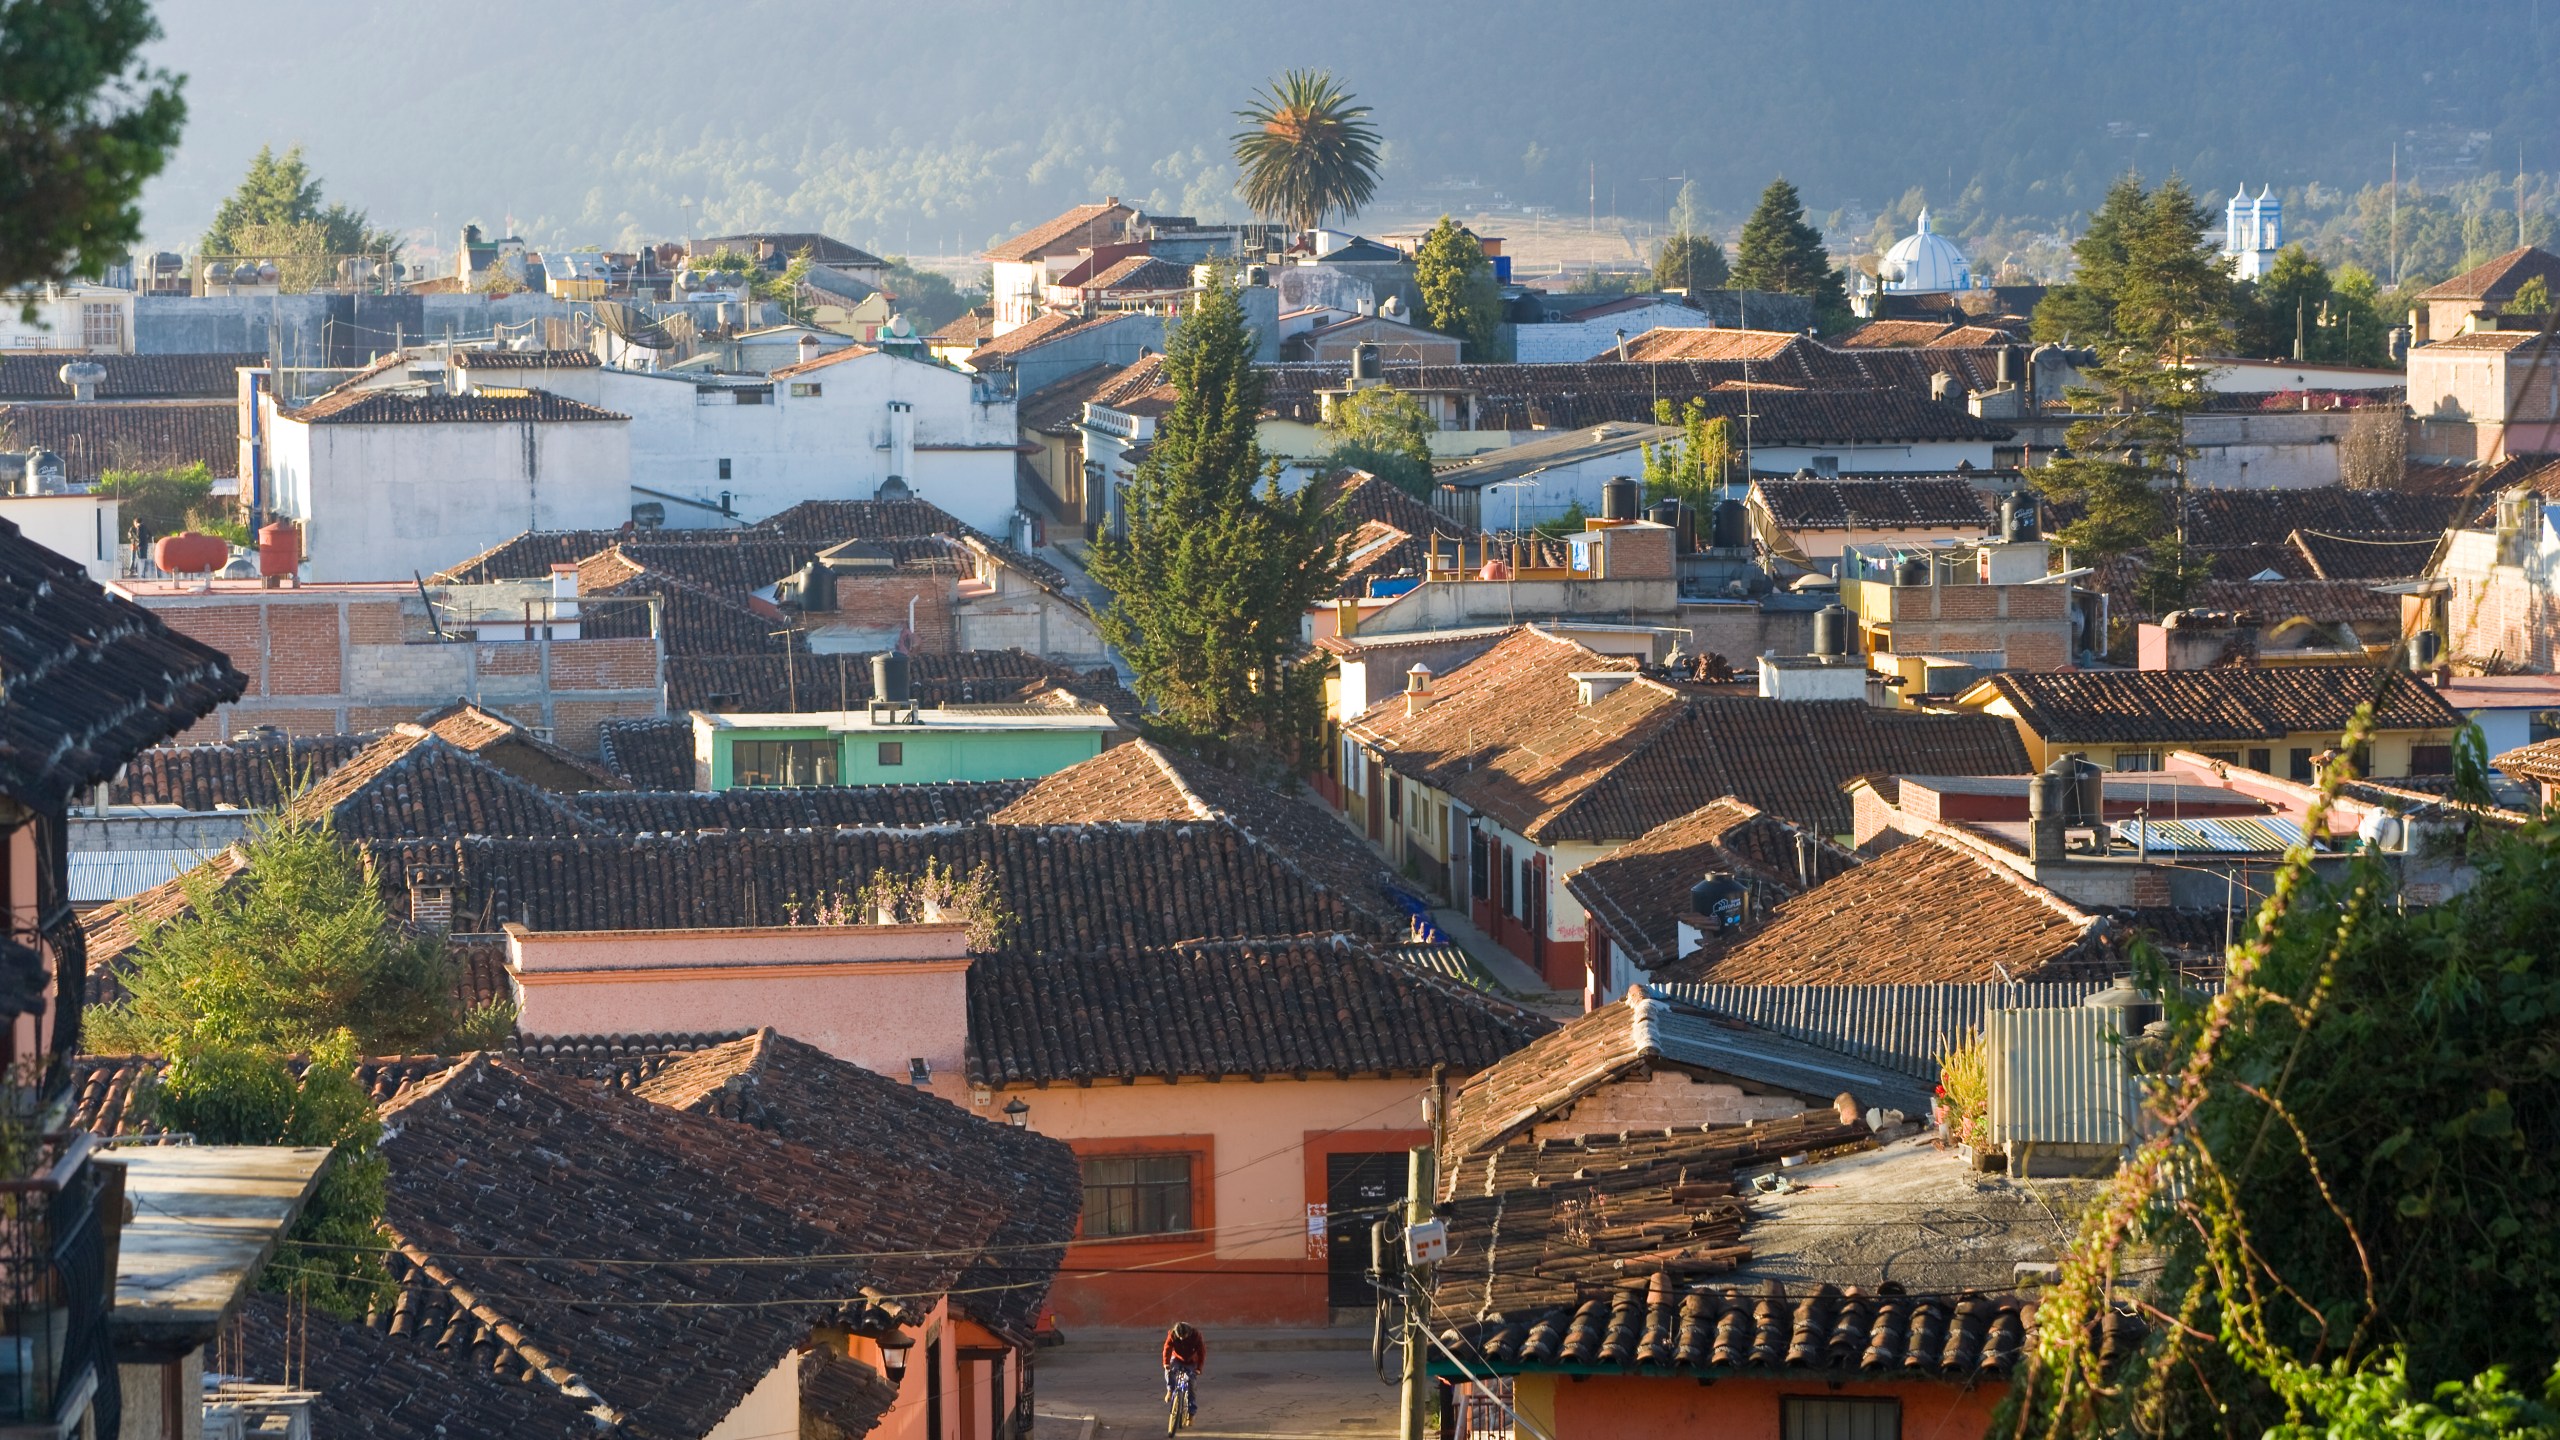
{"type": "Point", "coordinates": [507, 1332]}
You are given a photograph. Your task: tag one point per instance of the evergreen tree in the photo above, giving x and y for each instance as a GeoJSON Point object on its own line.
{"type": "Point", "coordinates": [1459, 296]}
{"type": "Point", "coordinates": [1385, 432]}
{"type": "Point", "coordinates": [280, 190]}
{"type": "Point", "coordinates": [83, 123]}
{"type": "Point", "coordinates": [1781, 251]}
{"type": "Point", "coordinates": [2126, 473]}
{"type": "Point", "coordinates": [1690, 262]}
{"type": "Point", "coordinates": [2285, 303]}
{"type": "Point", "coordinates": [2082, 310]}
{"type": "Point", "coordinates": [1218, 568]}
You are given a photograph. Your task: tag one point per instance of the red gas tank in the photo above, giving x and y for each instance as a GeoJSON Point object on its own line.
{"type": "Point", "coordinates": [190, 553]}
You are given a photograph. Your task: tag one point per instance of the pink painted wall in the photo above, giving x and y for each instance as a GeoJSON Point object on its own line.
{"type": "Point", "coordinates": [877, 995]}
{"type": "Point", "coordinates": [1607, 1407]}
{"type": "Point", "coordinates": [1257, 1265]}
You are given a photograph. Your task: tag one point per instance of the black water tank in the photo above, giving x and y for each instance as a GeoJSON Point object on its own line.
{"type": "Point", "coordinates": [1832, 631]}
{"type": "Point", "coordinates": [817, 587]}
{"type": "Point", "coordinates": [1720, 898]}
{"type": "Point", "coordinates": [2017, 517]}
{"type": "Point", "coordinates": [1364, 361]}
{"type": "Point", "coordinates": [1619, 498]}
{"type": "Point", "coordinates": [889, 677]}
{"type": "Point", "coordinates": [1731, 528]}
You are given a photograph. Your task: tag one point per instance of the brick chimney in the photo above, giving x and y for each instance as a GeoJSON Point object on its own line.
{"type": "Point", "coordinates": [2198, 640]}
{"type": "Point", "coordinates": [431, 898]}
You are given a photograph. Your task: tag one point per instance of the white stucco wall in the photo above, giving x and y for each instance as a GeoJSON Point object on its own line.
{"type": "Point", "coordinates": [379, 502]}
{"type": "Point", "coordinates": [1572, 342]}
{"type": "Point", "coordinates": [77, 527]}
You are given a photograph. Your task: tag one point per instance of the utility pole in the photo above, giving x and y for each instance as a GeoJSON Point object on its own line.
{"type": "Point", "coordinates": [1421, 1182]}
{"type": "Point", "coordinates": [2395, 214]}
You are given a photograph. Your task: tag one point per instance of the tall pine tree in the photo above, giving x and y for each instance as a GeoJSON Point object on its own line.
{"type": "Point", "coordinates": [2082, 310]}
{"type": "Point", "coordinates": [2170, 300]}
{"type": "Point", "coordinates": [1217, 568]}
{"type": "Point", "coordinates": [1779, 250]}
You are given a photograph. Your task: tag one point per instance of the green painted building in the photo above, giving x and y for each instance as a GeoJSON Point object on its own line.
{"type": "Point", "coordinates": [917, 747]}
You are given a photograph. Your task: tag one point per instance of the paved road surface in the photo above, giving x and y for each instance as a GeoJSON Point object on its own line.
{"type": "Point", "coordinates": [1262, 1394]}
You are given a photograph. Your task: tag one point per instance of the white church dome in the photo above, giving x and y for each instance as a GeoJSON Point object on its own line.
{"type": "Point", "coordinates": [1922, 263]}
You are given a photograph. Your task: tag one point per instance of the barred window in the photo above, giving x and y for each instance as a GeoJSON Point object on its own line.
{"type": "Point", "coordinates": [783, 762]}
{"type": "Point", "coordinates": [1136, 1195]}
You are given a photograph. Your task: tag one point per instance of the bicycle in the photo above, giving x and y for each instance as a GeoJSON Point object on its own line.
{"type": "Point", "coordinates": [1181, 1408]}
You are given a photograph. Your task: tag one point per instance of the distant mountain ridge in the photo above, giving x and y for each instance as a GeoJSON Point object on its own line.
{"type": "Point", "coordinates": [914, 126]}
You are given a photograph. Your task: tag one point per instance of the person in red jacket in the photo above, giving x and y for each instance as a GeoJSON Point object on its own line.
{"type": "Point", "coordinates": [1184, 1346]}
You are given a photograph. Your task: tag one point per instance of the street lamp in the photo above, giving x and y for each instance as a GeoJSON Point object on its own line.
{"type": "Point", "coordinates": [893, 1353]}
{"type": "Point", "coordinates": [1017, 1114]}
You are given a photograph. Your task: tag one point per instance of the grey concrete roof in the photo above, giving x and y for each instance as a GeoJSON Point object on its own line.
{"type": "Point", "coordinates": [205, 1219]}
{"type": "Point", "coordinates": [1911, 1214]}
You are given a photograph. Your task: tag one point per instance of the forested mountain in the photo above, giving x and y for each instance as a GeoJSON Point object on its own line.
{"type": "Point", "coordinates": [915, 125]}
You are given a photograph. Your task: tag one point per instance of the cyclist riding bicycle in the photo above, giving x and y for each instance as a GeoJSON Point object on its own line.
{"type": "Point", "coordinates": [1184, 1347]}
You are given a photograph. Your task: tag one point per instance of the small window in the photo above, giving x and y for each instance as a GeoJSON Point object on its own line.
{"type": "Point", "coordinates": [102, 327]}
{"type": "Point", "coordinates": [783, 762]}
{"type": "Point", "coordinates": [2137, 759]}
{"type": "Point", "coordinates": [1826, 464]}
{"type": "Point", "coordinates": [2430, 759]}
{"type": "Point", "coordinates": [2263, 761]}
{"type": "Point", "coordinates": [1838, 1417]}
{"type": "Point", "coordinates": [893, 752]}
{"type": "Point", "coordinates": [2300, 767]}
{"type": "Point", "coordinates": [750, 397]}
{"type": "Point", "coordinates": [806, 390]}
{"type": "Point", "coordinates": [1136, 1195]}
{"type": "Point", "coordinates": [724, 468]}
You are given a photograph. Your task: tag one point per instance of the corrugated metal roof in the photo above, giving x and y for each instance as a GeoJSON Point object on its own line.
{"type": "Point", "coordinates": [2228, 835]}
{"type": "Point", "coordinates": [2058, 1078]}
{"type": "Point", "coordinates": [1900, 1027]}
{"type": "Point", "coordinates": [1691, 1037]}
{"type": "Point", "coordinates": [100, 876]}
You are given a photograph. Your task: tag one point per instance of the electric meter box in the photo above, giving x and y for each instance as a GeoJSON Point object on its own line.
{"type": "Point", "coordinates": [1426, 1242]}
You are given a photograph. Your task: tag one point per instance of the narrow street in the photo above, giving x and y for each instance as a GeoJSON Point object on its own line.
{"type": "Point", "coordinates": [1290, 1389]}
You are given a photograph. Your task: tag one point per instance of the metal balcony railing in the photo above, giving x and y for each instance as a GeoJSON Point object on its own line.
{"type": "Point", "coordinates": [56, 1286]}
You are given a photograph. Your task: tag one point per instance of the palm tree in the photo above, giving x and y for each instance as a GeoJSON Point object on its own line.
{"type": "Point", "coordinates": [1310, 152]}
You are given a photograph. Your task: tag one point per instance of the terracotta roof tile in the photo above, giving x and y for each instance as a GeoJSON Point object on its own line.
{"type": "Point", "coordinates": [2323, 602]}
{"type": "Point", "coordinates": [1855, 504]}
{"type": "Point", "coordinates": [411, 784]}
{"type": "Point", "coordinates": [391, 1387]}
{"type": "Point", "coordinates": [833, 357]}
{"type": "Point", "coordinates": [1879, 333]}
{"type": "Point", "coordinates": [1616, 768]}
{"type": "Point", "coordinates": [2499, 279]}
{"type": "Point", "coordinates": [1072, 889]}
{"type": "Point", "coordinates": [2225, 703]}
{"type": "Point", "coordinates": [1639, 891]}
{"type": "Point", "coordinates": [2537, 761]}
{"type": "Point", "coordinates": [1140, 273]}
{"type": "Point", "coordinates": [651, 754]}
{"type": "Point", "coordinates": [1038, 331]}
{"type": "Point", "coordinates": [241, 774]}
{"type": "Point", "coordinates": [1925, 912]}
{"type": "Point", "coordinates": [129, 377]}
{"type": "Point", "coordinates": [818, 807]}
{"type": "Point", "coordinates": [1481, 708]}
{"type": "Point", "coordinates": [495, 359]}
{"type": "Point", "coordinates": [389, 407]}
{"type": "Point", "coordinates": [105, 435]}
{"type": "Point", "coordinates": [801, 682]}
{"type": "Point", "coordinates": [87, 679]}
{"type": "Point", "coordinates": [499, 741]}
{"type": "Point", "coordinates": [1705, 343]}
{"type": "Point", "coordinates": [1291, 1005]}
{"type": "Point", "coordinates": [1081, 227]}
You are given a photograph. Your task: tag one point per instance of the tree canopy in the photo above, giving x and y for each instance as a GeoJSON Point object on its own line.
{"type": "Point", "coordinates": [1459, 295]}
{"type": "Point", "coordinates": [1308, 151]}
{"type": "Point", "coordinates": [1385, 432]}
{"type": "Point", "coordinates": [1690, 262]}
{"type": "Point", "coordinates": [1779, 250]}
{"type": "Point", "coordinates": [83, 123]}
{"type": "Point", "coordinates": [281, 191]}
{"type": "Point", "coordinates": [1696, 466]}
{"type": "Point", "coordinates": [1217, 567]}
{"type": "Point", "coordinates": [2349, 1194]}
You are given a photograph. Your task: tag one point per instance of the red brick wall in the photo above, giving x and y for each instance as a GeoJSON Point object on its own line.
{"type": "Point", "coordinates": [516, 659]}
{"type": "Point", "coordinates": [232, 629]}
{"type": "Point", "coordinates": [376, 623]}
{"type": "Point", "coordinates": [630, 664]}
{"type": "Point", "coordinates": [302, 650]}
{"type": "Point", "coordinates": [576, 723]}
{"type": "Point", "coordinates": [880, 602]}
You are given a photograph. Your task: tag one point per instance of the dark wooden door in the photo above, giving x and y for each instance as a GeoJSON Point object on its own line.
{"type": "Point", "coordinates": [1358, 1189]}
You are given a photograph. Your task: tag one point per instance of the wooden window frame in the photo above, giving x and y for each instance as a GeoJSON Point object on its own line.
{"type": "Point", "coordinates": [1202, 1150]}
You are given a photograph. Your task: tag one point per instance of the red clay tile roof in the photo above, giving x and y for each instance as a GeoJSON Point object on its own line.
{"type": "Point", "coordinates": [816, 807]}
{"type": "Point", "coordinates": [2499, 279]}
{"type": "Point", "coordinates": [775, 683]}
{"type": "Point", "coordinates": [787, 245]}
{"type": "Point", "coordinates": [1705, 343]}
{"type": "Point", "coordinates": [651, 754]}
{"type": "Point", "coordinates": [370, 1382]}
{"type": "Point", "coordinates": [970, 329]}
{"type": "Point", "coordinates": [1925, 912]}
{"type": "Point", "coordinates": [967, 1190]}
{"type": "Point", "coordinates": [1614, 769]}
{"type": "Point", "coordinates": [129, 377]}
{"type": "Point", "coordinates": [1040, 330]}
{"type": "Point", "coordinates": [1879, 333]}
{"type": "Point", "coordinates": [2323, 602]}
{"type": "Point", "coordinates": [501, 742]}
{"type": "Point", "coordinates": [1054, 408]}
{"type": "Point", "coordinates": [2538, 761]}
{"type": "Point", "coordinates": [243, 774]}
{"type": "Point", "coordinates": [833, 357]}
{"type": "Point", "coordinates": [111, 435]}
{"type": "Point", "coordinates": [1140, 273]}
{"type": "Point", "coordinates": [2226, 703]}
{"type": "Point", "coordinates": [1081, 227]}
{"type": "Point", "coordinates": [1639, 891]}
{"type": "Point", "coordinates": [588, 1171]}
{"type": "Point", "coordinates": [1072, 889]}
{"type": "Point", "coordinates": [525, 359]}
{"type": "Point", "coordinates": [88, 680]}
{"type": "Point", "coordinates": [1852, 504]}
{"type": "Point", "coordinates": [1479, 709]}
{"type": "Point", "coordinates": [2357, 559]}
{"type": "Point", "coordinates": [411, 784]}
{"type": "Point", "coordinates": [2495, 341]}
{"type": "Point", "coordinates": [1141, 781]}
{"type": "Point", "coordinates": [389, 407]}
{"type": "Point", "coordinates": [1310, 1004]}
